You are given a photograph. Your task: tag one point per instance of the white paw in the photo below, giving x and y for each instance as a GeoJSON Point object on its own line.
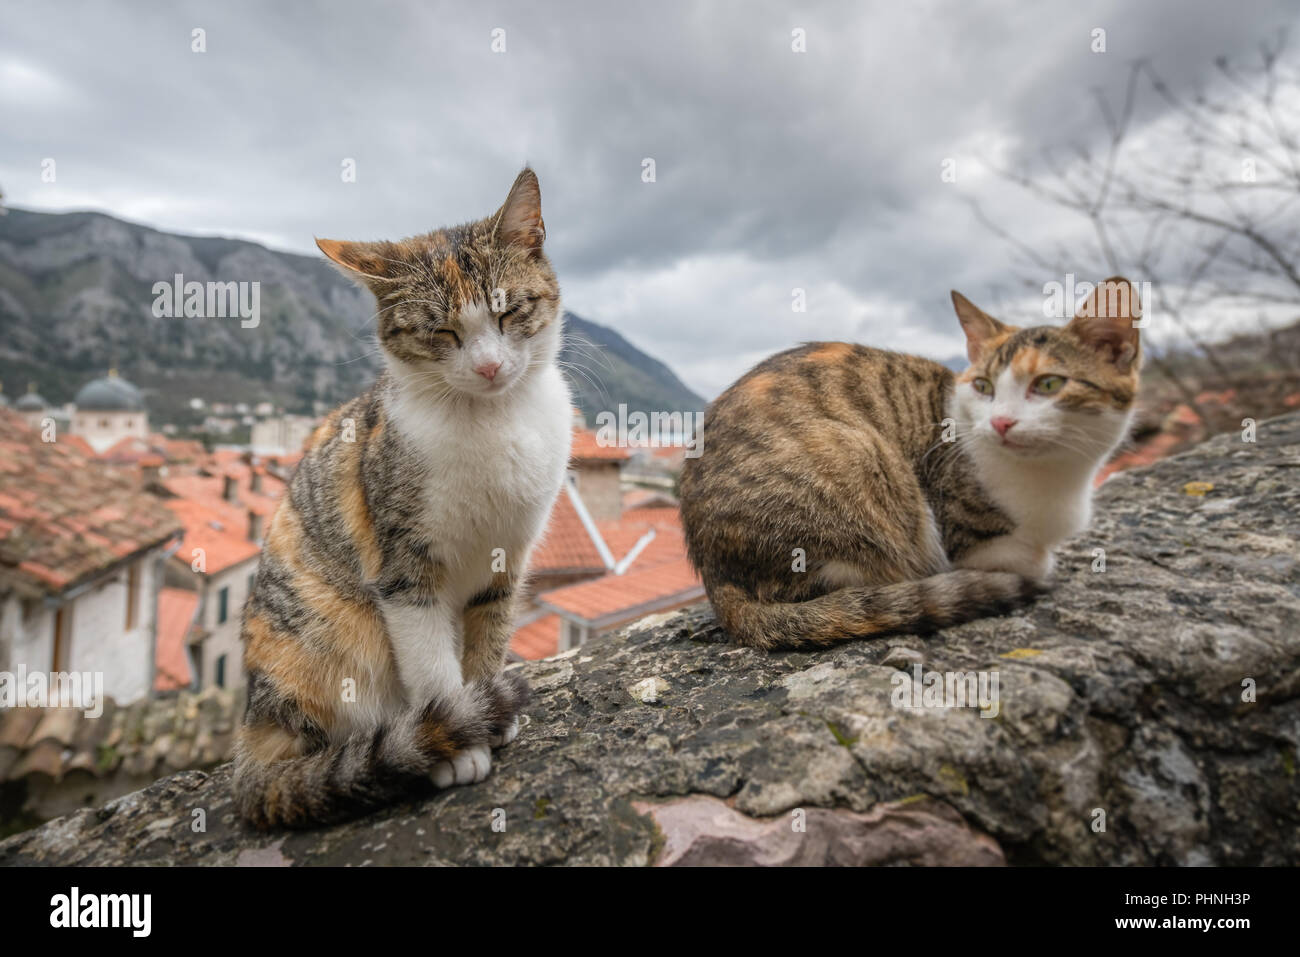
{"type": "Point", "coordinates": [509, 734]}
{"type": "Point", "coordinates": [1008, 554]}
{"type": "Point", "coordinates": [467, 767]}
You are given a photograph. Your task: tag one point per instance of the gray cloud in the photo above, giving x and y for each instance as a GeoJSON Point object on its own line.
{"type": "Point", "coordinates": [775, 170]}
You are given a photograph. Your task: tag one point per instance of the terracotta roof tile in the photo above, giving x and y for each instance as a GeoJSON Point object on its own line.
{"type": "Point", "coordinates": [623, 534]}
{"type": "Point", "coordinates": [647, 498]}
{"type": "Point", "coordinates": [127, 449]}
{"type": "Point", "coordinates": [80, 444]}
{"type": "Point", "coordinates": [608, 597]}
{"type": "Point", "coordinates": [66, 516]}
{"type": "Point", "coordinates": [184, 450]}
{"type": "Point", "coordinates": [177, 608]}
{"type": "Point", "coordinates": [586, 447]}
{"type": "Point", "coordinates": [566, 545]}
{"type": "Point", "coordinates": [222, 535]}
{"type": "Point", "coordinates": [152, 736]}
{"type": "Point", "coordinates": [537, 639]}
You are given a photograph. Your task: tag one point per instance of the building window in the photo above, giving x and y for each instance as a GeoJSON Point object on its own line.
{"type": "Point", "coordinates": [103, 423]}
{"type": "Point", "coordinates": [223, 605]}
{"type": "Point", "coordinates": [62, 638]}
{"type": "Point", "coordinates": [221, 672]}
{"type": "Point", "coordinates": [196, 661]}
{"type": "Point", "coordinates": [132, 587]}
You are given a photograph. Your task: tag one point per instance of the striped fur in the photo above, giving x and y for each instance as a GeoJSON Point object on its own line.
{"type": "Point", "coordinates": [368, 769]}
{"type": "Point", "coordinates": [848, 492]}
{"type": "Point", "coordinates": [377, 628]}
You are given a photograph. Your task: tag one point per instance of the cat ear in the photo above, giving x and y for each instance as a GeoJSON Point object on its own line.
{"type": "Point", "coordinates": [1106, 321]}
{"type": "Point", "coordinates": [519, 220]}
{"type": "Point", "coordinates": [373, 262]}
{"type": "Point", "coordinates": [980, 328]}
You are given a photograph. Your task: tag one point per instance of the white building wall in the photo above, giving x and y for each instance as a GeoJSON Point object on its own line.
{"type": "Point", "coordinates": [101, 642]}
{"type": "Point", "coordinates": [282, 434]}
{"type": "Point", "coordinates": [104, 429]}
{"type": "Point", "coordinates": [223, 637]}
{"type": "Point", "coordinates": [29, 638]}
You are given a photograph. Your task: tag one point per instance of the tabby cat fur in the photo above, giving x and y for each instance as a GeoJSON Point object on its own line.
{"type": "Point", "coordinates": [376, 632]}
{"type": "Point", "coordinates": [849, 492]}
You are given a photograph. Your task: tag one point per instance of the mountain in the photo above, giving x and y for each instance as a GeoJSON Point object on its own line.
{"type": "Point", "coordinates": [605, 369]}
{"type": "Point", "coordinates": [76, 297]}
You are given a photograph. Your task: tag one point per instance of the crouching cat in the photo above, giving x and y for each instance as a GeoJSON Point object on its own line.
{"type": "Point", "coordinates": [849, 492]}
{"type": "Point", "coordinates": [376, 631]}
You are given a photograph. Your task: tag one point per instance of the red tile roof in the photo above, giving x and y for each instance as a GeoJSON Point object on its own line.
{"type": "Point", "coordinates": [623, 534]}
{"type": "Point", "coordinates": [1153, 450]}
{"type": "Point", "coordinates": [214, 524]}
{"type": "Point", "coordinates": [210, 490]}
{"type": "Point", "coordinates": [658, 517]}
{"type": "Point", "coordinates": [184, 450]}
{"type": "Point", "coordinates": [538, 639]}
{"type": "Point", "coordinates": [80, 444]}
{"type": "Point", "coordinates": [128, 449]}
{"type": "Point", "coordinates": [587, 448]}
{"type": "Point", "coordinates": [221, 534]}
{"type": "Point", "coordinates": [607, 594]}
{"type": "Point", "coordinates": [647, 498]}
{"type": "Point", "coordinates": [64, 516]}
{"type": "Point", "coordinates": [150, 738]}
{"type": "Point", "coordinates": [612, 599]}
{"type": "Point", "coordinates": [566, 545]}
{"type": "Point", "coordinates": [177, 608]}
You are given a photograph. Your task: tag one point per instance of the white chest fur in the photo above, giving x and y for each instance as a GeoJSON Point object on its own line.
{"type": "Point", "coordinates": [1048, 502]}
{"type": "Point", "coordinates": [490, 472]}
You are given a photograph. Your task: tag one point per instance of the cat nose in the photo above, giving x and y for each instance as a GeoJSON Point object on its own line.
{"type": "Point", "coordinates": [1003, 425]}
{"type": "Point", "coordinates": [488, 370]}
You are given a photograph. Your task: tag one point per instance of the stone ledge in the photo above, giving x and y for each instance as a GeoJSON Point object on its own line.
{"type": "Point", "coordinates": [1121, 693]}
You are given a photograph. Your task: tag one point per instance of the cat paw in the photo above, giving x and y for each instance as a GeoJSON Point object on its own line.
{"type": "Point", "coordinates": [468, 767]}
{"type": "Point", "coordinates": [1008, 554]}
{"type": "Point", "coordinates": [508, 734]}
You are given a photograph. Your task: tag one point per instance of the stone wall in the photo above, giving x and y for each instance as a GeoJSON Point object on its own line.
{"type": "Point", "coordinates": [1147, 713]}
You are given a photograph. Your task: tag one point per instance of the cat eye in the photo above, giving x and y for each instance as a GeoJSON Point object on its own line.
{"type": "Point", "coordinates": [983, 386]}
{"type": "Point", "coordinates": [516, 310]}
{"type": "Point", "coordinates": [1048, 384]}
{"type": "Point", "coordinates": [449, 332]}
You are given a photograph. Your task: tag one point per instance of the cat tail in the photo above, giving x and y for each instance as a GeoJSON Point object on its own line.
{"type": "Point", "coordinates": [921, 605]}
{"type": "Point", "coordinates": [369, 769]}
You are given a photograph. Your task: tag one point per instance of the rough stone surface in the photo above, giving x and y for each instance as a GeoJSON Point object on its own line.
{"type": "Point", "coordinates": [1124, 697]}
{"type": "Point", "coordinates": [706, 830]}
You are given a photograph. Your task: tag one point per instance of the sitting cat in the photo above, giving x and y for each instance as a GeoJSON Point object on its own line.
{"type": "Point", "coordinates": [376, 631]}
{"type": "Point", "coordinates": [836, 502]}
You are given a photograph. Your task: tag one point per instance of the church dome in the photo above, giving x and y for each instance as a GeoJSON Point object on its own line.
{"type": "Point", "coordinates": [31, 402]}
{"type": "Point", "coordinates": [109, 394]}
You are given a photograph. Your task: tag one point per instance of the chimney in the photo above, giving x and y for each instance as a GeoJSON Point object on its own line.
{"type": "Point", "coordinates": [229, 488]}
{"type": "Point", "coordinates": [254, 527]}
{"type": "Point", "coordinates": [256, 482]}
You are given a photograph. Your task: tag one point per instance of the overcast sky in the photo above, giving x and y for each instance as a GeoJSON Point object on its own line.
{"type": "Point", "coordinates": [774, 169]}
